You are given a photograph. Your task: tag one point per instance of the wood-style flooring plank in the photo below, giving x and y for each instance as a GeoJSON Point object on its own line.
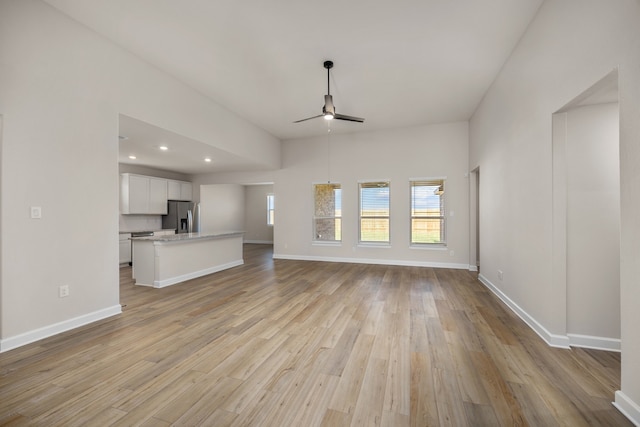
{"type": "Point", "coordinates": [284, 342]}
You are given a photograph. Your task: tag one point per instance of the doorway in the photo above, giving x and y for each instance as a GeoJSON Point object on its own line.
{"type": "Point", "coordinates": [474, 220]}
{"type": "Point", "coordinates": [586, 214]}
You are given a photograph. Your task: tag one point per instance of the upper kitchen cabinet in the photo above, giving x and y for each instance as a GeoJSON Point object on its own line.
{"type": "Point", "coordinates": [142, 194]}
{"type": "Point", "coordinates": [179, 190]}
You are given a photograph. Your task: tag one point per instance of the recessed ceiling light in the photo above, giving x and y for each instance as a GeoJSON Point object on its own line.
{"type": "Point", "coordinates": [164, 147]}
{"type": "Point", "coordinates": [207, 159]}
{"type": "Point", "coordinates": [132, 157]}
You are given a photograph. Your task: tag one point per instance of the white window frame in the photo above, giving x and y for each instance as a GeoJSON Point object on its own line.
{"type": "Point", "coordinates": [442, 216]}
{"type": "Point", "coordinates": [361, 242]}
{"type": "Point", "coordinates": [316, 237]}
{"type": "Point", "coordinates": [271, 209]}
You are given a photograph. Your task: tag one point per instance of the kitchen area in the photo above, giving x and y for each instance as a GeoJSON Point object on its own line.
{"type": "Point", "coordinates": [175, 221]}
{"type": "Point", "coordinates": [161, 237]}
{"type": "Point", "coordinates": [145, 206]}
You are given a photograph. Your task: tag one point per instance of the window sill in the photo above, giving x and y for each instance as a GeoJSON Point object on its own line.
{"type": "Point", "coordinates": [374, 245]}
{"type": "Point", "coordinates": [429, 247]}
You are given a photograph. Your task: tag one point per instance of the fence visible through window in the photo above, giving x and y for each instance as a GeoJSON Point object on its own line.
{"type": "Point", "coordinates": [427, 212]}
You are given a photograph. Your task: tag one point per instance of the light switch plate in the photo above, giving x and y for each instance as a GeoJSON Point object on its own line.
{"type": "Point", "coordinates": [36, 212]}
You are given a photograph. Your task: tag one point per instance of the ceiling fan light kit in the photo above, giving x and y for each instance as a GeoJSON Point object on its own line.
{"type": "Point", "coordinates": [328, 110]}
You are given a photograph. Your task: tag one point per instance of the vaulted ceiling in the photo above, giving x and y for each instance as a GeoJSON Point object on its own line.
{"type": "Point", "coordinates": [397, 64]}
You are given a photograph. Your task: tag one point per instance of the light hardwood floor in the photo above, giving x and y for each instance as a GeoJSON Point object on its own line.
{"type": "Point", "coordinates": [298, 343]}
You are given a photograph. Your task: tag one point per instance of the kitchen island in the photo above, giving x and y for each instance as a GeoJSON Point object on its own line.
{"type": "Point", "coordinates": [161, 261]}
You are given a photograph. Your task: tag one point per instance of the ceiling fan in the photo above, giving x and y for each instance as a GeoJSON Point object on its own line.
{"type": "Point", "coordinates": [329, 110]}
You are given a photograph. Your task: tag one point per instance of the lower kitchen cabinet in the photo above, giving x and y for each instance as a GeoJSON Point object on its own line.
{"type": "Point", "coordinates": [125, 248]}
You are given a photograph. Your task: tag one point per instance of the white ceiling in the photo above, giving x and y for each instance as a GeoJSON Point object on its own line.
{"type": "Point", "coordinates": [397, 64]}
{"type": "Point", "coordinates": [183, 154]}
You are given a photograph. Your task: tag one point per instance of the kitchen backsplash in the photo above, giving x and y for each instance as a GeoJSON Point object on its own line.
{"type": "Point", "coordinates": [140, 222]}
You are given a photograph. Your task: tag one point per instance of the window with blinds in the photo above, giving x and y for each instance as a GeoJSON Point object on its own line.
{"type": "Point", "coordinates": [374, 212]}
{"type": "Point", "coordinates": [427, 212]}
{"type": "Point", "coordinates": [327, 217]}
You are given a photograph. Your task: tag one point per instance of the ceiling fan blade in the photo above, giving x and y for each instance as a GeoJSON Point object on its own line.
{"type": "Point", "coordinates": [328, 105]}
{"type": "Point", "coordinates": [348, 118]}
{"type": "Point", "coordinates": [309, 118]}
{"type": "Point", "coordinates": [329, 110]}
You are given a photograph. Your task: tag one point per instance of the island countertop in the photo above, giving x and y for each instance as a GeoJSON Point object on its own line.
{"type": "Point", "coordinates": [160, 261]}
{"type": "Point", "coordinates": [183, 237]}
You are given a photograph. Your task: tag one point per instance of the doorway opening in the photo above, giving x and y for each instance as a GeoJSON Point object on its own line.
{"type": "Point", "coordinates": [474, 220]}
{"type": "Point", "coordinates": [586, 214]}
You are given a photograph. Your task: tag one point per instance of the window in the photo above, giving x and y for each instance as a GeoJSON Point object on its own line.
{"type": "Point", "coordinates": [327, 217]}
{"type": "Point", "coordinates": [427, 212]}
{"type": "Point", "coordinates": [270, 209]}
{"type": "Point", "coordinates": [374, 212]}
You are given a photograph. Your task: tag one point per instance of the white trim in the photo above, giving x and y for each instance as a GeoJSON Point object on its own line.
{"type": "Point", "coordinates": [57, 328]}
{"type": "Point", "coordinates": [560, 341]}
{"type": "Point", "coordinates": [367, 181]}
{"type": "Point", "coordinates": [404, 263]}
{"type": "Point", "coordinates": [628, 407]}
{"type": "Point", "coordinates": [334, 243]}
{"type": "Point", "coordinates": [473, 267]}
{"type": "Point", "coordinates": [428, 246]}
{"type": "Point", "coordinates": [383, 245]}
{"type": "Point", "coordinates": [259, 242]}
{"type": "Point", "coordinates": [429, 178]}
{"type": "Point", "coordinates": [596, 343]}
{"type": "Point", "coordinates": [183, 277]}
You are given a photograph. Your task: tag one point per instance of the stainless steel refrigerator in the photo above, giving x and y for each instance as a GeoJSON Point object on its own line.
{"type": "Point", "coordinates": [182, 216]}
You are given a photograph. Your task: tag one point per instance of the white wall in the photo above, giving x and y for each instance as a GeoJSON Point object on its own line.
{"type": "Point", "coordinates": [144, 170]}
{"type": "Point", "coordinates": [397, 155]}
{"type": "Point", "coordinates": [62, 88]}
{"type": "Point", "coordinates": [569, 46]}
{"type": "Point", "coordinates": [593, 221]}
{"type": "Point", "coordinates": [222, 208]}
{"type": "Point", "coordinates": [245, 178]}
{"type": "Point", "coordinates": [394, 155]}
{"type": "Point", "coordinates": [255, 216]}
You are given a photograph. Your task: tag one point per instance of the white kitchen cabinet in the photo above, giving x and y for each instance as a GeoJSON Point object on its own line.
{"type": "Point", "coordinates": [141, 194]}
{"type": "Point", "coordinates": [173, 190]}
{"type": "Point", "coordinates": [179, 190]}
{"type": "Point", "coordinates": [138, 200]}
{"type": "Point", "coordinates": [125, 248]}
{"type": "Point", "coordinates": [158, 196]}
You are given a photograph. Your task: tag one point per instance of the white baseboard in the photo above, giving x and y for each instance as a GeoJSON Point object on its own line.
{"type": "Point", "coordinates": [473, 267]}
{"type": "Point", "coordinates": [628, 407]}
{"type": "Point", "coordinates": [374, 261]}
{"type": "Point", "coordinates": [259, 242]}
{"type": "Point", "coordinates": [184, 277]}
{"type": "Point", "coordinates": [596, 343]}
{"type": "Point", "coordinates": [57, 328]}
{"type": "Point", "coordinates": [554, 340]}
{"type": "Point", "coordinates": [561, 341]}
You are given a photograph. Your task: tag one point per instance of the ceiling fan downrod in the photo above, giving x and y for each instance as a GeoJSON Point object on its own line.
{"type": "Point", "coordinates": [328, 65]}
{"type": "Point", "coordinates": [328, 110]}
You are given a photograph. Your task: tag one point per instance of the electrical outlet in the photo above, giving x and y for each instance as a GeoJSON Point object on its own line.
{"type": "Point", "coordinates": [63, 291]}
{"type": "Point", "coordinates": [36, 212]}
{"type": "Point", "coordinates": [500, 274]}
